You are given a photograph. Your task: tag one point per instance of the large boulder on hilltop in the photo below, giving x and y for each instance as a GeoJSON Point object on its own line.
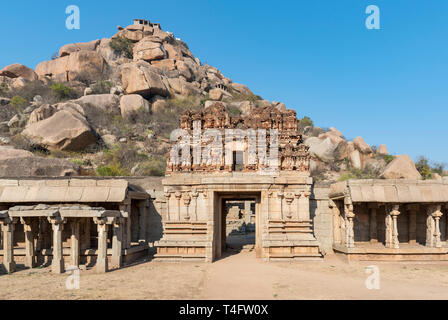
{"type": "Point", "coordinates": [382, 150]}
{"type": "Point", "coordinates": [334, 135]}
{"type": "Point", "coordinates": [104, 49]}
{"type": "Point", "coordinates": [402, 167]}
{"type": "Point", "coordinates": [74, 47]}
{"type": "Point", "coordinates": [174, 51]}
{"type": "Point", "coordinates": [131, 104]}
{"type": "Point", "coordinates": [148, 50]}
{"type": "Point", "coordinates": [63, 130]}
{"type": "Point", "coordinates": [144, 79]}
{"type": "Point", "coordinates": [133, 35]}
{"type": "Point", "coordinates": [45, 111]}
{"type": "Point", "coordinates": [11, 153]}
{"type": "Point", "coordinates": [80, 65]}
{"type": "Point", "coordinates": [185, 70]}
{"type": "Point", "coordinates": [321, 149]}
{"type": "Point", "coordinates": [355, 159]}
{"type": "Point", "coordinates": [362, 146]}
{"type": "Point", "coordinates": [105, 102]}
{"type": "Point", "coordinates": [17, 70]}
{"type": "Point", "coordinates": [343, 150]}
{"type": "Point", "coordinates": [218, 94]}
{"type": "Point", "coordinates": [165, 64]}
{"type": "Point", "coordinates": [241, 88]}
{"type": "Point", "coordinates": [180, 86]}
{"type": "Point", "coordinates": [36, 166]}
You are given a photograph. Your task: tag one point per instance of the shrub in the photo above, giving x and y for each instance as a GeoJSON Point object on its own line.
{"type": "Point", "coordinates": [62, 91]}
{"type": "Point", "coordinates": [18, 102]}
{"type": "Point", "coordinates": [152, 167]}
{"type": "Point", "coordinates": [388, 158]}
{"type": "Point", "coordinates": [233, 111]}
{"type": "Point", "coordinates": [427, 169]}
{"type": "Point", "coordinates": [112, 170]}
{"type": "Point", "coordinates": [3, 89]}
{"type": "Point", "coordinates": [305, 122]}
{"type": "Point", "coordinates": [102, 87]}
{"type": "Point", "coordinates": [123, 46]}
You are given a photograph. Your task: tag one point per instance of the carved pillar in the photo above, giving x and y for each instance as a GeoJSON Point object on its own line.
{"type": "Point", "coordinates": [392, 212]}
{"type": "Point", "coordinates": [167, 197]}
{"type": "Point", "coordinates": [336, 222]}
{"type": "Point", "coordinates": [178, 196]}
{"type": "Point", "coordinates": [195, 195]}
{"type": "Point", "coordinates": [289, 197]}
{"type": "Point", "coordinates": [412, 214]}
{"type": "Point", "coordinates": [280, 195]}
{"type": "Point", "coordinates": [101, 262]}
{"type": "Point", "coordinates": [30, 255]}
{"type": "Point", "coordinates": [117, 245]}
{"type": "Point", "coordinates": [8, 244]}
{"type": "Point", "coordinates": [126, 209]}
{"type": "Point", "coordinates": [373, 223]}
{"type": "Point", "coordinates": [75, 243]}
{"type": "Point", "coordinates": [57, 264]}
{"type": "Point", "coordinates": [349, 227]}
{"type": "Point", "coordinates": [187, 201]}
{"type": "Point", "coordinates": [433, 226]}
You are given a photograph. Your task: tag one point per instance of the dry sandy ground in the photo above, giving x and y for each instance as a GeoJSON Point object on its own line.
{"type": "Point", "coordinates": [238, 276]}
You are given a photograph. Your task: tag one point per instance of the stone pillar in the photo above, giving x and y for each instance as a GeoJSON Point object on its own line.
{"type": "Point", "coordinates": [30, 255]}
{"type": "Point", "coordinates": [280, 195]}
{"type": "Point", "coordinates": [8, 244]}
{"type": "Point", "coordinates": [391, 226]}
{"type": "Point", "coordinates": [412, 214]}
{"type": "Point", "coordinates": [289, 197]}
{"type": "Point", "coordinates": [117, 245]}
{"type": "Point", "coordinates": [57, 264]}
{"type": "Point", "coordinates": [178, 196]}
{"type": "Point", "coordinates": [337, 239]}
{"type": "Point", "coordinates": [304, 211]}
{"type": "Point", "coordinates": [195, 195]}
{"type": "Point", "coordinates": [167, 198]}
{"type": "Point", "coordinates": [433, 226]}
{"type": "Point", "coordinates": [349, 227]}
{"type": "Point", "coordinates": [74, 243]}
{"type": "Point", "coordinates": [187, 201]}
{"type": "Point", "coordinates": [101, 261]}
{"type": "Point", "coordinates": [373, 223]}
{"type": "Point", "coordinates": [142, 222]}
{"type": "Point", "coordinates": [126, 207]}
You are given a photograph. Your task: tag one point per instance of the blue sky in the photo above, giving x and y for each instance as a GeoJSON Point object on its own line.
{"type": "Point", "coordinates": [388, 86]}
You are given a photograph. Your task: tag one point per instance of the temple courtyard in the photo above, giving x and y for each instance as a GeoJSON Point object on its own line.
{"type": "Point", "coordinates": [238, 275]}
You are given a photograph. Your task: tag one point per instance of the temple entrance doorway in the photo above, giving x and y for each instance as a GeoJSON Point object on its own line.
{"type": "Point", "coordinates": [238, 224]}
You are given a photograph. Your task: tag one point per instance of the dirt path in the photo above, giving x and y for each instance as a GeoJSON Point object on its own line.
{"type": "Point", "coordinates": [238, 276]}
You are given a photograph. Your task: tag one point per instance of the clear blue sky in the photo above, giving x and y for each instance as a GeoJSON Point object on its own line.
{"type": "Point", "coordinates": [388, 86]}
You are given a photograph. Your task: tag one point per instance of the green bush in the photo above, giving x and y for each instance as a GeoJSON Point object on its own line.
{"type": "Point", "coordinates": [3, 89]}
{"type": "Point", "coordinates": [427, 169]}
{"type": "Point", "coordinates": [112, 170]}
{"type": "Point", "coordinates": [102, 87]}
{"type": "Point", "coordinates": [305, 122]}
{"type": "Point", "coordinates": [18, 102]}
{"type": "Point", "coordinates": [153, 167]}
{"type": "Point", "coordinates": [62, 91]}
{"type": "Point", "coordinates": [123, 46]}
{"type": "Point", "coordinates": [388, 158]}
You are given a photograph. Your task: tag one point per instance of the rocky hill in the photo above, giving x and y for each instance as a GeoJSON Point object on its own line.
{"type": "Point", "coordinates": [107, 107]}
